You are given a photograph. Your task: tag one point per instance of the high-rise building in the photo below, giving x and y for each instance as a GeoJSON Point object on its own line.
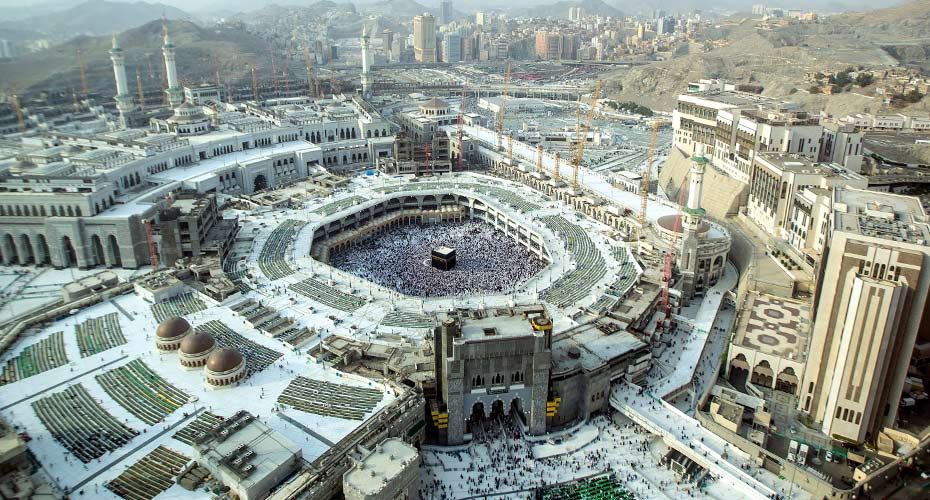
{"type": "Point", "coordinates": [424, 38]}
{"type": "Point", "coordinates": [451, 47]}
{"type": "Point", "coordinates": [574, 14]}
{"type": "Point", "coordinates": [870, 312]}
{"type": "Point", "coordinates": [548, 45]}
{"type": "Point", "coordinates": [445, 12]}
{"type": "Point", "coordinates": [482, 18]}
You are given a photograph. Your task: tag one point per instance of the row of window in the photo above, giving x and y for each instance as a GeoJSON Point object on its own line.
{"type": "Point", "coordinates": [39, 211]}
{"type": "Point", "coordinates": [497, 379]}
{"type": "Point", "coordinates": [848, 416]}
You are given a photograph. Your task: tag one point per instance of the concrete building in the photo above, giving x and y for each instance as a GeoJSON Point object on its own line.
{"type": "Point", "coordinates": [776, 179]}
{"type": "Point", "coordinates": [869, 313]}
{"type": "Point", "coordinates": [769, 346]}
{"type": "Point", "coordinates": [388, 472]}
{"type": "Point", "coordinates": [451, 47]}
{"type": "Point", "coordinates": [730, 127]}
{"type": "Point", "coordinates": [445, 12]}
{"type": "Point", "coordinates": [246, 455]}
{"type": "Point", "coordinates": [193, 226]}
{"type": "Point", "coordinates": [204, 94]}
{"type": "Point", "coordinates": [424, 38]}
{"type": "Point", "coordinates": [491, 362]}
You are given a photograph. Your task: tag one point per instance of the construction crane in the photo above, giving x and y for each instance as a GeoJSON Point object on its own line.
{"type": "Point", "coordinates": [555, 171]}
{"type": "Point", "coordinates": [669, 267]}
{"type": "Point", "coordinates": [254, 84]}
{"type": "Point", "coordinates": [462, 128]}
{"type": "Point", "coordinates": [287, 67]}
{"type": "Point", "coordinates": [139, 86]}
{"type": "Point", "coordinates": [579, 148]}
{"type": "Point", "coordinates": [308, 62]}
{"type": "Point", "coordinates": [503, 110]}
{"type": "Point", "coordinates": [274, 74]}
{"type": "Point", "coordinates": [83, 68]}
{"type": "Point", "coordinates": [19, 112]}
{"type": "Point", "coordinates": [644, 186]}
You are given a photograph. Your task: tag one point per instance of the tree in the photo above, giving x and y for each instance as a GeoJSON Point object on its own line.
{"type": "Point", "coordinates": [815, 89]}
{"type": "Point", "coordinates": [864, 79]}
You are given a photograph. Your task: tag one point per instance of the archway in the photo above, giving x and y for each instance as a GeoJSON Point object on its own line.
{"type": "Point", "coordinates": [497, 409]}
{"type": "Point", "coordinates": [68, 254]}
{"type": "Point", "coordinates": [260, 183]}
{"type": "Point", "coordinates": [739, 370]}
{"type": "Point", "coordinates": [28, 254]}
{"type": "Point", "coordinates": [96, 247]}
{"type": "Point", "coordinates": [787, 381]}
{"type": "Point", "coordinates": [9, 250]}
{"type": "Point", "coordinates": [43, 256]}
{"type": "Point", "coordinates": [762, 374]}
{"type": "Point", "coordinates": [477, 415]}
{"type": "Point", "coordinates": [115, 258]}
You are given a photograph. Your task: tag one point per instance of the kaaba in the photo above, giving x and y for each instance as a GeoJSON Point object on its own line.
{"type": "Point", "coordinates": [443, 258]}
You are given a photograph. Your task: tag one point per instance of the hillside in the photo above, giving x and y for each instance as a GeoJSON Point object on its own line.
{"type": "Point", "coordinates": [96, 17]}
{"type": "Point", "coordinates": [56, 68]}
{"type": "Point", "coordinates": [397, 8]}
{"type": "Point", "coordinates": [779, 58]}
{"type": "Point", "coordinates": [560, 9]}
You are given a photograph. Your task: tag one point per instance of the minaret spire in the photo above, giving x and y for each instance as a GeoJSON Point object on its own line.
{"type": "Point", "coordinates": [366, 64]}
{"type": "Point", "coordinates": [123, 97]}
{"type": "Point", "coordinates": [175, 92]}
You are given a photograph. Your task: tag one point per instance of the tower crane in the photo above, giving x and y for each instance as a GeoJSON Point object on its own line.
{"type": "Point", "coordinates": [503, 111]}
{"type": "Point", "coordinates": [308, 61]}
{"type": "Point", "coordinates": [644, 186]}
{"type": "Point", "coordinates": [19, 112]}
{"type": "Point", "coordinates": [254, 84]}
{"type": "Point", "coordinates": [555, 171]}
{"type": "Point", "coordinates": [287, 67]}
{"type": "Point", "coordinates": [83, 68]}
{"type": "Point", "coordinates": [579, 148]}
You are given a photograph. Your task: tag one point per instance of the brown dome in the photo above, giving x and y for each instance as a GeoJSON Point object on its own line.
{"type": "Point", "coordinates": [198, 343]}
{"type": "Point", "coordinates": [172, 327]}
{"type": "Point", "coordinates": [224, 360]}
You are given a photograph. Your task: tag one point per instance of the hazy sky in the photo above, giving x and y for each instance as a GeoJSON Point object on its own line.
{"type": "Point", "coordinates": [626, 5]}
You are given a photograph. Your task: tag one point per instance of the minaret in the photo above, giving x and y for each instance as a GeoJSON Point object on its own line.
{"type": "Point", "coordinates": [366, 64]}
{"type": "Point", "coordinates": [123, 97]}
{"type": "Point", "coordinates": [174, 91]}
{"type": "Point", "coordinates": [692, 217]}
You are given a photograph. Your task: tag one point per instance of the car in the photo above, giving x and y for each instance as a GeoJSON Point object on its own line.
{"type": "Point", "coordinates": [828, 456]}
{"type": "Point", "coordinates": [793, 429]}
{"type": "Point", "coordinates": [925, 475]}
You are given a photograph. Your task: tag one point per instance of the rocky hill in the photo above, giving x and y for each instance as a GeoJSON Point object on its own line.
{"type": "Point", "coordinates": [96, 17]}
{"type": "Point", "coordinates": [779, 58]}
{"type": "Point", "coordinates": [560, 9]}
{"type": "Point", "coordinates": [57, 69]}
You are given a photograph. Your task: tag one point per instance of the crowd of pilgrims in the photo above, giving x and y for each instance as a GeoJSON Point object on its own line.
{"type": "Point", "coordinates": [487, 260]}
{"type": "Point", "coordinates": [499, 459]}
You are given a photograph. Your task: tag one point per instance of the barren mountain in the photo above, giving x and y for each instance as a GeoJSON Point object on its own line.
{"type": "Point", "coordinates": [233, 50]}
{"type": "Point", "coordinates": [779, 58]}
